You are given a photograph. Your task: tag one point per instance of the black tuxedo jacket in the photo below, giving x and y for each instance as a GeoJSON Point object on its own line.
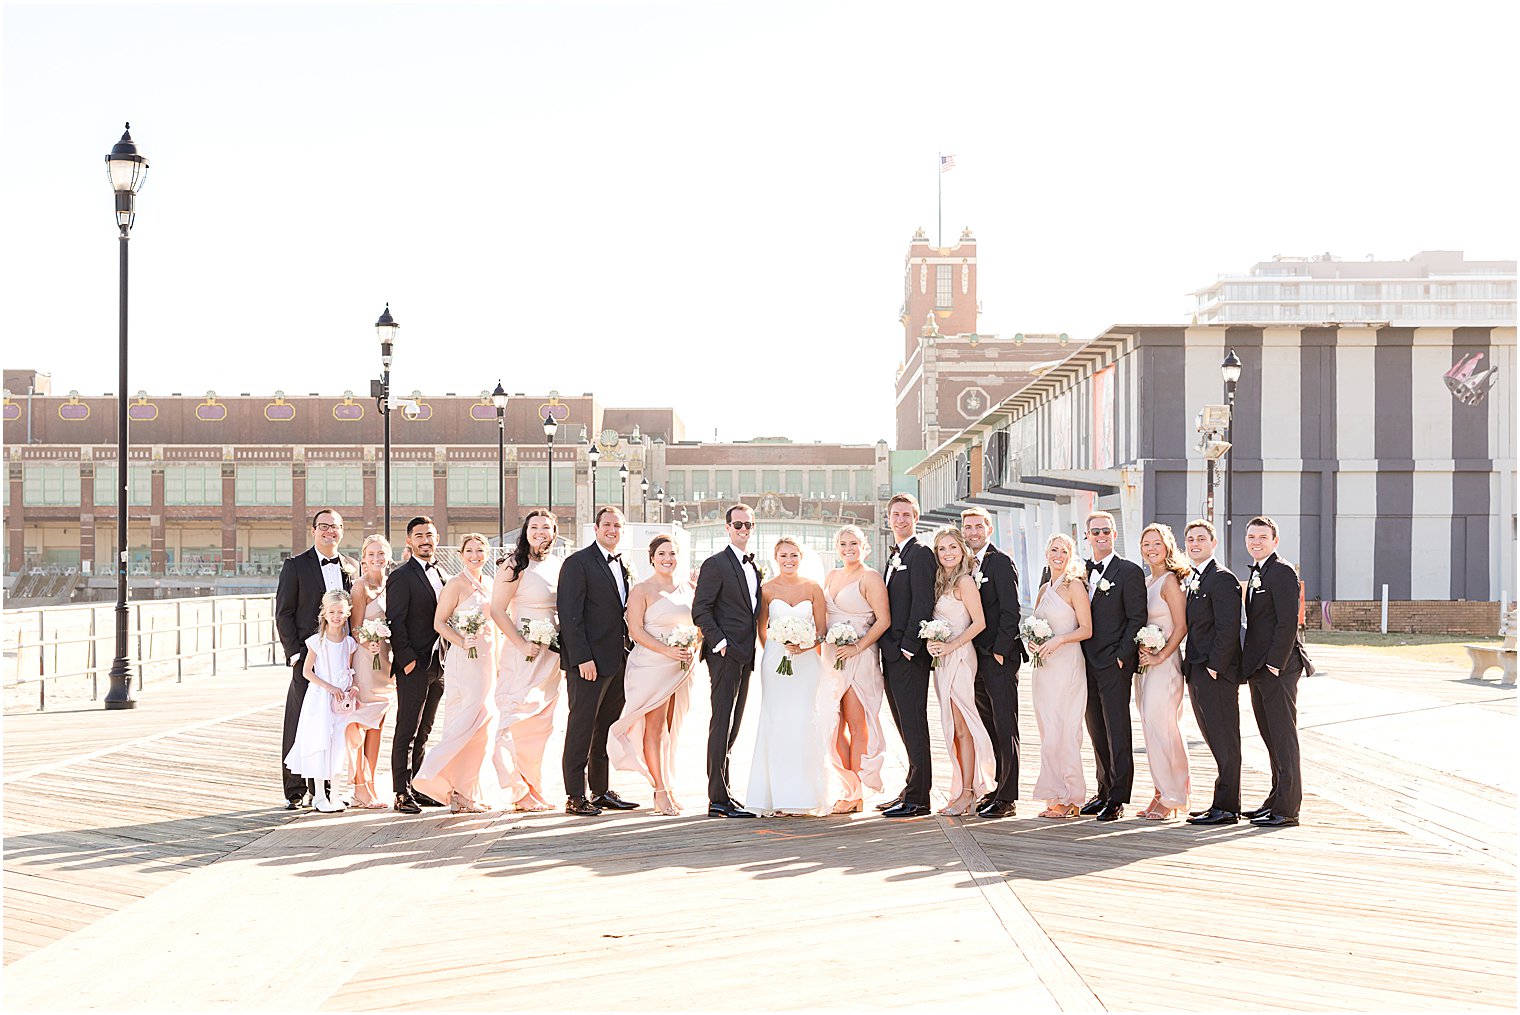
{"type": "Point", "coordinates": [1213, 623]}
{"type": "Point", "coordinates": [722, 607]}
{"type": "Point", "coordinates": [298, 598]}
{"type": "Point", "coordinates": [1118, 614]}
{"type": "Point", "coordinates": [1000, 605]}
{"type": "Point", "coordinates": [910, 596]}
{"type": "Point", "coordinates": [1272, 620]}
{"type": "Point", "coordinates": [592, 624]}
{"type": "Point", "coordinates": [410, 606]}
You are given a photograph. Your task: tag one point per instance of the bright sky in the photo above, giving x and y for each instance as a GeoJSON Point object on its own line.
{"type": "Point", "coordinates": [707, 205]}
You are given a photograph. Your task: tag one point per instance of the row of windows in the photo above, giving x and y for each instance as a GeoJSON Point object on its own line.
{"type": "Point", "coordinates": [1365, 312]}
{"type": "Point", "coordinates": [1363, 291]}
{"type": "Point", "coordinates": [683, 484]}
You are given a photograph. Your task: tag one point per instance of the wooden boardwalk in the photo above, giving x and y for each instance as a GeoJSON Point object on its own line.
{"type": "Point", "coordinates": [147, 867]}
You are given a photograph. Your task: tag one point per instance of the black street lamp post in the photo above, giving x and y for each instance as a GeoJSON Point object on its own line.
{"type": "Point", "coordinates": [127, 171]}
{"type": "Point", "coordinates": [623, 475]}
{"type": "Point", "coordinates": [594, 456]}
{"type": "Point", "coordinates": [1230, 369]}
{"type": "Point", "coordinates": [659, 497]}
{"type": "Point", "coordinates": [386, 328]}
{"type": "Point", "coordinates": [644, 499]}
{"type": "Point", "coordinates": [499, 399]}
{"type": "Point", "coordinates": [551, 425]}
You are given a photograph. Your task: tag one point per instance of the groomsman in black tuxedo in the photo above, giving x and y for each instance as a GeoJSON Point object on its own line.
{"type": "Point", "coordinates": [726, 606]}
{"type": "Point", "coordinates": [411, 603]}
{"type": "Point", "coordinates": [1117, 589]}
{"type": "Point", "coordinates": [593, 638]}
{"type": "Point", "coordinates": [904, 658]}
{"type": "Point", "coordinates": [999, 650]}
{"type": "Point", "coordinates": [1212, 667]}
{"type": "Point", "coordinates": [1272, 658]}
{"type": "Point", "coordinates": [304, 579]}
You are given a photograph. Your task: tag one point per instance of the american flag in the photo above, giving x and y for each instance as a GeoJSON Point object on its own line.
{"type": "Point", "coordinates": [946, 163]}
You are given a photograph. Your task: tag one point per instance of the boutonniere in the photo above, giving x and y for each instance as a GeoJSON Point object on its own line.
{"type": "Point", "coordinates": [627, 574]}
{"type": "Point", "coordinates": [763, 571]}
{"type": "Point", "coordinates": [981, 579]}
{"type": "Point", "coordinates": [1256, 582]}
{"type": "Point", "coordinates": [899, 567]}
{"type": "Point", "coordinates": [1191, 585]}
{"type": "Point", "coordinates": [1104, 584]}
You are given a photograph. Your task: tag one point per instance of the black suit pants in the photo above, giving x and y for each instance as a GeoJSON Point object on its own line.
{"type": "Point", "coordinates": [417, 696]}
{"type": "Point", "coordinates": [730, 686]}
{"type": "Point", "coordinates": [907, 682]}
{"type": "Point", "coordinates": [594, 706]}
{"type": "Point", "coordinates": [1275, 702]}
{"type": "Point", "coordinates": [1216, 706]}
{"type": "Point", "coordinates": [295, 786]}
{"type": "Point", "coordinates": [1108, 727]}
{"type": "Point", "coordinates": [997, 700]}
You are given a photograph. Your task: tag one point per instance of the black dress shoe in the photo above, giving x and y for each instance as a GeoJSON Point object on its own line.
{"type": "Point", "coordinates": [1258, 812]}
{"type": "Point", "coordinates": [293, 804]}
{"type": "Point", "coordinates": [405, 805]}
{"type": "Point", "coordinates": [887, 805]}
{"type": "Point", "coordinates": [582, 807]}
{"type": "Point", "coordinates": [425, 800]}
{"type": "Point", "coordinates": [1093, 806]}
{"type": "Point", "coordinates": [1111, 812]}
{"type": "Point", "coordinates": [906, 810]}
{"type": "Point", "coordinates": [986, 799]}
{"type": "Point", "coordinates": [1213, 817]}
{"type": "Point", "coordinates": [1274, 821]}
{"type": "Point", "coordinates": [1199, 814]}
{"type": "Point", "coordinates": [611, 801]}
{"type": "Point", "coordinates": [996, 809]}
{"type": "Point", "coordinates": [731, 809]}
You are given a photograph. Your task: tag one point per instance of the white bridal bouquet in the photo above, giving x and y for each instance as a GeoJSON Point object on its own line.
{"type": "Point", "coordinates": [841, 634]}
{"type": "Point", "coordinates": [1035, 631]}
{"type": "Point", "coordinates": [539, 632]}
{"type": "Point", "coordinates": [468, 622]}
{"type": "Point", "coordinates": [1150, 637]}
{"type": "Point", "coordinates": [934, 630]}
{"type": "Point", "coordinates": [798, 631]}
{"type": "Point", "coordinates": [373, 632]}
{"type": "Point", "coordinates": [684, 636]}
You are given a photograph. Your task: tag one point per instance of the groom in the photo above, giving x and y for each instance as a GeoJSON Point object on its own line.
{"type": "Point", "coordinates": [726, 606]}
{"type": "Point", "coordinates": [1116, 588]}
{"type": "Point", "coordinates": [411, 601]}
{"type": "Point", "coordinates": [904, 660]}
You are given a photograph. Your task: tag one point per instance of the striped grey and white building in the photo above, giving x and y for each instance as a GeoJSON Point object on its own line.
{"type": "Point", "coordinates": [1349, 436]}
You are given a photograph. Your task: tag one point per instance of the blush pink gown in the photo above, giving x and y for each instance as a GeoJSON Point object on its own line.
{"type": "Point", "coordinates": [1060, 702]}
{"type": "Point", "coordinates": [1159, 693]}
{"type": "Point", "coordinates": [862, 677]}
{"type": "Point", "coordinates": [455, 764]}
{"type": "Point", "coordinates": [955, 687]}
{"type": "Point", "coordinates": [376, 688]}
{"type": "Point", "coordinates": [649, 681]}
{"type": "Point", "coordinates": [527, 692]}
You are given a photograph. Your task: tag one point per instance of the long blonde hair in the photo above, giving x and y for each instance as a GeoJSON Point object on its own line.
{"type": "Point", "coordinates": [944, 580]}
{"type": "Point", "coordinates": [1175, 562]}
{"type": "Point", "coordinates": [1076, 567]}
{"type": "Point", "coordinates": [328, 598]}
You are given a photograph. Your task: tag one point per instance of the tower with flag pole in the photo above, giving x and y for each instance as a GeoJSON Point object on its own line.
{"type": "Point", "coordinates": [946, 163]}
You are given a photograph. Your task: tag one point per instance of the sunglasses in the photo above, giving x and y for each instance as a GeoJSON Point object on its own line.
{"type": "Point", "coordinates": [1100, 532]}
{"type": "Point", "coordinates": [742, 525]}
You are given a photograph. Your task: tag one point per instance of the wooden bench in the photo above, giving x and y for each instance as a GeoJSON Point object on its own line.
{"type": "Point", "coordinates": [1486, 657]}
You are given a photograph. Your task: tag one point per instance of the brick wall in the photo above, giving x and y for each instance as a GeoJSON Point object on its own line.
{"type": "Point", "coordinates": [1410, 617]}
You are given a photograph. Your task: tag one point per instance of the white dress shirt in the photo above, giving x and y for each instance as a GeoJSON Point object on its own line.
{"type": "Point", "coordinates": [332, 574]}
{"type": "Point", "coordinates": [751, 581]}
{"type": "Point", "coordinates": [1097, 576]}
{"type": "Point", "coordinates": [898, 550]}
{"type": "Point", "coordinates": [617, 572]}
{"type": "Point", "coordinates": [435, 579]}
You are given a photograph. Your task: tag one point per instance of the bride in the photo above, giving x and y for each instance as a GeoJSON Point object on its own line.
{"type": "Point", "coordinates": [790, 770]}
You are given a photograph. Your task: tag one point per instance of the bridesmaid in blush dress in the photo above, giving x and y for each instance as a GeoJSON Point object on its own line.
{"type": "Point", "coordinates": [451, 771]}
{"type": "Point", "coordinates": [376, 686]}
{"type": "Point", "coordinates": [1159, 684]}
{"type": "Point", "coordinates": [657, 678]}
{"type": "Point", "coordinates": [973, 761]}
{"type": "Point", "coordinates": [1060, 679]}
{"type": "Point", "coordinates": [527, 689]}
{"type": "Point", "coordinates": [856, 595]}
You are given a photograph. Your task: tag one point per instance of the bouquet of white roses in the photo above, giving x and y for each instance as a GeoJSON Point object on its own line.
{"type": "Point", "coordinates": [841, 634]}
{"type": "Point", "coordinates": [684, 636]}
{"type": "Point", "coordinates": [539, 632]}
{"type": "Point", "coordinates": [798, 631]}
{"type": "Point", "coordinates": [1035, 631]}
{"type": "Point", "coordinates": [1150, 637]}
{"type": "Point", "coordinates": [934, 630]}
{"type": "Point", "coordinates": [468, 622]}
{"type": "Point", "coordinates": [373, 632]}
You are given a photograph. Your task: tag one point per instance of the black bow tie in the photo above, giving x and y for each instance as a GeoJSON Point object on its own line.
{"type": "Point", "coordinates": [614, 557]}
{"type": "Point", "coordinates": [334, 561]}
{"type": "Point", "coordinates": [1093, 565]}
{"type": "Point", "coordinates": [749, 558]}
{"type": "Point", "coordinates": [429, 566]}
{"type": "Point", "coordinates": [1256, 568]}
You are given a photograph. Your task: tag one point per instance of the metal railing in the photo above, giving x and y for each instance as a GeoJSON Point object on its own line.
{"type": "Point", "coordinates": [78, 642]}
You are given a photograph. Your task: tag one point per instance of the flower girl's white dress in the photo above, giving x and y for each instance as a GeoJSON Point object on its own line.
{"type": "Point", "coordinates": [318, 751]}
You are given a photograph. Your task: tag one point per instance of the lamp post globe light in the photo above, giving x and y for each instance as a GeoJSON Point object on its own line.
{"type": "Point", "coordinates": [623, 475]}
{"type": "Point", "coordinates": [659, 498]}
{"type": "Point", "coordinates": [551, 426]}
{"type": "Point", "coordinates": [644, 499]}
{"type": "Point", "coordinates": [1230, 370]}
{"type": "Point", "coordinates": [127, 170]}
{"type": "Point", "coordinates": [499, 399]}
{"type": "Point", "coordinates": [386, 328]}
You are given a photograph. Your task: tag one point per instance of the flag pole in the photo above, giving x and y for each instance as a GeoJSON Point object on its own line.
{"type": "Point", "coordinates": [939, 174]}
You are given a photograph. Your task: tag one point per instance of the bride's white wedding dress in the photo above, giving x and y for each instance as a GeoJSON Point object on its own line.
{"type": "Point", "coordinates": [790, 770]}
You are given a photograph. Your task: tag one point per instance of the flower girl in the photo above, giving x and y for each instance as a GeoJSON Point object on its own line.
{"type": "Point", "coordinates": [321, 750]}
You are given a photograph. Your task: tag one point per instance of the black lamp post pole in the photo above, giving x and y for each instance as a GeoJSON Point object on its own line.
{"type": "Point", "coordinates": [386, 328]}
{"type": "Point", "coordinates": [1231, 371]}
